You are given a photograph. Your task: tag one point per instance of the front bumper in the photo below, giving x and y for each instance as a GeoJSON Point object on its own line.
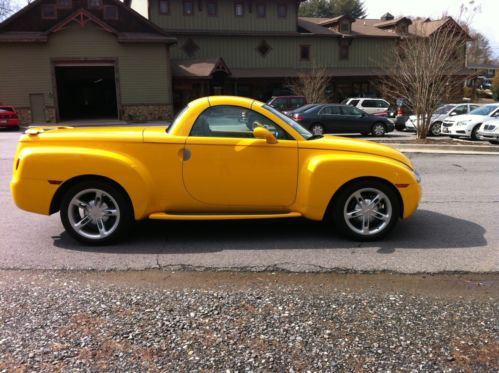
{"type": "Point", "coordinates": [494, 136]}
{"type": "Point", "coordinates": [456, 131]}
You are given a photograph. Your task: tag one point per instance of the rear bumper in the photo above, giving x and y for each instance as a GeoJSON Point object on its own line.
{"type": "Point", "coordinates": [10, 122]}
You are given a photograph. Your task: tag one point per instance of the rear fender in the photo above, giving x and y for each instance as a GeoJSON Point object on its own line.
{"type": "Point", "coordinates": [53, 167]}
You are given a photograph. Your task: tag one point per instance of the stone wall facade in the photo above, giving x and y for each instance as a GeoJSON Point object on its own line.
{"type": "Point", "coordinates": [144, 112]}
{"type": "Point", "coordinates": [24, 114]}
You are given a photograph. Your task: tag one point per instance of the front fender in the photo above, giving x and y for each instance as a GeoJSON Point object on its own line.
{"type": "Point", "coordinates": [321, 176]}
{"type": "Point", "coordinates": [42, 170]}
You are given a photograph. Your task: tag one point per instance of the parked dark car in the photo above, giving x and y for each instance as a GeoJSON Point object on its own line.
{"type": "Point", "coordinates": [286, 103]}
{"type": "Point", "coordinates": [337, 118]}
{"type": "Point", "coordinates": [401, 112]}
{"type": "Point", "coordinates": [301, 109]}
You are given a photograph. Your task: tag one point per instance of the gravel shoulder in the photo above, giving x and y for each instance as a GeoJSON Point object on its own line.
{"type": "Point", "coordinates": [167, 321]}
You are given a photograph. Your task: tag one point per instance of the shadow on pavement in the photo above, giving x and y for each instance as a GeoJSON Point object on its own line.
{"type": "Point", "coordinates": [424, 230]}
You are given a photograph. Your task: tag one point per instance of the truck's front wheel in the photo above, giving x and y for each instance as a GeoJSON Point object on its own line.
{"type": "Point", "coordinates": [366, 210]}
{"type": "Point", "coordinates": [96, 213]}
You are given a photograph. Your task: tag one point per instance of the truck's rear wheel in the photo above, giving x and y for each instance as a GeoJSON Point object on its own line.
{"type": "Point", "coordinates": [96, 213]}
{"type": "Point", "coordinates": [366, 210]}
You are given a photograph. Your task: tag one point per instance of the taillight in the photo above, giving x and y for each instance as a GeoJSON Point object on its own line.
{"type": "Point", "coordinates": [298, 117]}
{"type": "Point", "coordinates": [400, 111]}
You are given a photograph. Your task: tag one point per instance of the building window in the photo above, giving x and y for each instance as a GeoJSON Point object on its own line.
{"type": "Point", "coordinates": [282, 10]}
{"type": "Point", "coordinates": [239, 9]}
{"type": "Point", "coordinates": [64, 4]}
{"type": "Point", "coordinates": [212, 8]}
{"type": "Point", "coordinates": [188, 7]}
{"type": "Point", "coordinates": [94, 3]}
{"type": "Point", "coordinates": [305, 52]}
{"type": "Point", "coordinates": [164, 6]}
{"type": "Point", "coordinates": [49, 11]}
{"type": "Point", "coordinates": [345, 26]}
{"type": "Point", "coordinates": [260, 10]}
{"type": "Point", "coordinates": [403, 28]}
{"type": "Point", "coordinates": [344, 49]}
{"type": "Point", "coordinates": [111, 12]}
{"type": "Point", "coordinates": [190, 47]}
{"type": "Point", "coordinates": [263, 48]}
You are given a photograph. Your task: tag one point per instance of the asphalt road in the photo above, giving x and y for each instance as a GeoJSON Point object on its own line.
{"type": "Point", "coordinates": [455, 229]}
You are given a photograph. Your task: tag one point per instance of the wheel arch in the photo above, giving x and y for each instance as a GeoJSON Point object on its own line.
{"type": "Point", "coordinates": [346, 185]}
{"type": "Point", "coordinates": [61, 191]}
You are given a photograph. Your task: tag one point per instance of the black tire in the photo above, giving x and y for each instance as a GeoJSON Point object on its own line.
{"type": "Point", "coordinates": [474, 131]}
{"type": "Point", "coordinates": [317, 129]}
{"type": "Point", "coordinates": [344, 201]}
{"type": "Point", "coordinates": [118, 224]}
{"type": "Point", "coordinates": [494, 142]}
{"type": "Point", "coordinates": [378, 129]}
{"type": "Point", "coordinates": [435, 129]}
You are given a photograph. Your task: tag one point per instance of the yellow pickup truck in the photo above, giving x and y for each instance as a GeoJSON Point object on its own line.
{"type": "Point", "coordinates": [222, 158]}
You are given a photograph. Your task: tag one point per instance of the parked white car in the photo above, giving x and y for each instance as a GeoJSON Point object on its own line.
{"type": "Point", "coordinates": [489, 131]}
{"type": "Point", "coordinates": [439, 116]}
{"type": "Point", "coordinates": [467, 125]}
{"type": "Point", "coordinates": [369, 105]}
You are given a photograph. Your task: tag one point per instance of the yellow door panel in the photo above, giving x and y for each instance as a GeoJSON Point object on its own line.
{"type": "Point", "coordinates": [241, 172]}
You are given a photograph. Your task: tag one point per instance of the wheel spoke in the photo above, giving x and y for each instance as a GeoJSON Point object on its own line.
{"type": "Point", "coordinates": [380, 216]}
{"type": "Point", "coordinates": [81, 204]}
{"type": "Point", "coordinates": [365, 224]}
{"type": "Point", "coordinates": [354, 214]}
{"type": "Point", "coordinates": [110, 212]}
{"type": "Point", "coordinates": [98, 198]}
{"type": "Point", "coordinates": [358, 197]}
{"type": "Point", "coordinates": [86, 219]}
{"type": "Point", "coordinates": [101, 227]}
{"type": "Point", "coordinates": [375, 200]}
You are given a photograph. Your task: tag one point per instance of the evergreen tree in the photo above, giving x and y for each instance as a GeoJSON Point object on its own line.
{"type": "Point", "coordinates": [332, 8]}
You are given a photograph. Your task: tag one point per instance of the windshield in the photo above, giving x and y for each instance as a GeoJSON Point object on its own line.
{"type": "Point", "coordinates": [444, 109]}
{"type": "Point", "coordinates": [484, 110]}
{"type": "Point", "coordinates": [302, 131]}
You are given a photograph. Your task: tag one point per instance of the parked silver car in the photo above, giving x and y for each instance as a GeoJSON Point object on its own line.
{"type": "Point", "coordinates": [439, 116]}
{"type": "Point", "coordinates": [489, 131]}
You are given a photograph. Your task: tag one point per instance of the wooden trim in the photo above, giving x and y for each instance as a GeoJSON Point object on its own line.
{"type": "Point", "coordinates": [48, 6]}
{"type": "Point", "coordinates": [167, 13]}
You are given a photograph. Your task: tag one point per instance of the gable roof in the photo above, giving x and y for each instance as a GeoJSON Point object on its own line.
{"type": "Point", "coordinates": [27, 25]}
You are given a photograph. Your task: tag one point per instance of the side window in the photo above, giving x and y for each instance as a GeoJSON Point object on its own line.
{"type": "Point", "coordinates": [383, 104]}
{"type": "Point", "coordinates": [233, 121]}
{"type": "Point", "coordinates": [279, 103]}
{"type": "Point", "coordinates": [369, 103]}
{"type": "Point", "coordinates": [473, 107]}
{"type": "Point", "coordinates": [331, 110]}
{"type": "Point", "coordinates": [353, 102]}
{"type": "Point", "coordinates": [296, 102]}
{"type": "Point", "coordinates": [347, 110]}
{"type": "Point", "coordinates": [462, 109]}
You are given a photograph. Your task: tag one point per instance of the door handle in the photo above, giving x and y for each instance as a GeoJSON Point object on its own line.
{"type": "Point", "coordinates": [186, 154]}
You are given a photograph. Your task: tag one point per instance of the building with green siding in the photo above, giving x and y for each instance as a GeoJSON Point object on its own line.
{"type": "Point", "coordinates": [76, 59]}
{"type": "Point", "coordinates": [83, 59]}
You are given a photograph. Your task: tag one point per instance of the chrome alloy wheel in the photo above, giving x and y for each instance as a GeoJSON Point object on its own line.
{"type": "Point", "coordinates": [317, 129]}
{"type": "Point", "coordinates": [93, 214]}
{"type": "Point", "coordinates": [368, 211]}
{"type": "Point", "coordinates": [378, 129]}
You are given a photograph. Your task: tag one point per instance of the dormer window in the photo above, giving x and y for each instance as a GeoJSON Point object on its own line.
{"type": "Point", "coordinates": [260, 10]}
{"type": "Point", "coordinates": [403, 28]}
{"type": "Point", "coordinates": [164, 7]}
{"type": "Point", "coordinates": [212, 8]}
{"type": "Point", "coordinates": [49, 11]}
{"type": "Point", "coordinates": [64, 4]}
{"type": "Point", "coordinates": [345, 26]}
{"type": "Point", "coordinates": [239, 9]}
{"type": "Point", "coordinates": [94, 4]}
{"type": "Point", "coordinates": [188, 6]}
{"type": "Point", "coordinates": [111, 12]}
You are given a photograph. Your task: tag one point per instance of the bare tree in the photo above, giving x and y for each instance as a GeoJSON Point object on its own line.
{"type": "Point", "coordinates": [5, 9]}
{"type": "Point", "coordinates": [427, 67]}
{"type": "Point", "coordinates": [312, 84]}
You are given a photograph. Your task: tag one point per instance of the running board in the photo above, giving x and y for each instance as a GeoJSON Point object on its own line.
{"type": "Point", "coordinates": [221, 216]}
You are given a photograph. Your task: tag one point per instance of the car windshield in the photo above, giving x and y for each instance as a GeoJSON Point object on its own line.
{"type": "Point", "coordinates": [484, 110]}
{"type": "Point", "coordinates": [444, 109]}
{"type": "Point", "coordinates": [302, 131]}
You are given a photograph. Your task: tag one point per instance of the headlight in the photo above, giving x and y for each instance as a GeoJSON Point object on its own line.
{"type": "Point", "coordinates": [418, 176]}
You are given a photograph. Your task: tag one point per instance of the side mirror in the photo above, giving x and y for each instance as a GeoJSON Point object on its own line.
{"type": "Point", "coordinates": [453, 113]}
{"type": "Point", "coordinates": [263, 133]}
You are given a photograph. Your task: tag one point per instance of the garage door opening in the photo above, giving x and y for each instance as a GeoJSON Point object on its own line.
{"type": "Point", "coordinates": [86, 92]}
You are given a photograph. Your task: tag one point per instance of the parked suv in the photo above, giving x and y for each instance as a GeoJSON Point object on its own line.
{"type": "Point", "coordinates": [444, 111]}
{"type": "Point", "coordinates": [369, 105]}
{"type": "Point", "coordinates": [467, 125]}
{"type": "Point", "coordinates": [286, 103]}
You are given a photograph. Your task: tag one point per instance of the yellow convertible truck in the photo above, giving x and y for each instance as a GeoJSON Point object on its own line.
{"type": "Point", "coordinates": [222, 158]}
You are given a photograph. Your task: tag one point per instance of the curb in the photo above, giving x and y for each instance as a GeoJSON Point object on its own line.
{"type": "Point", "coordinates": [445, 149]}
